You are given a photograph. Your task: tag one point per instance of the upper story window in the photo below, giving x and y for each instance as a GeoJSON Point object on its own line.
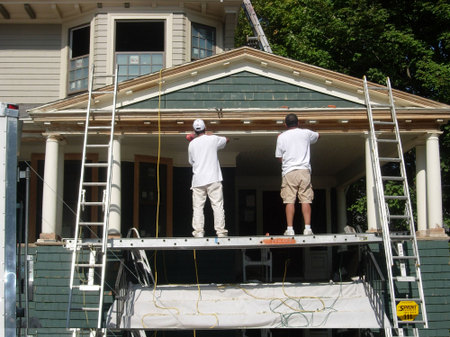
{"type": "Point", "coordinates": [203, 41]}
{"type": "Point", "coordinates": [79, 58]}
{"type": "Point", "coordinates": [139, 48]}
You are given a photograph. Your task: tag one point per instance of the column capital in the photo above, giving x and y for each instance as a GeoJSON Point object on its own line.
{"type": "Point", "coordinates": [54, 136]}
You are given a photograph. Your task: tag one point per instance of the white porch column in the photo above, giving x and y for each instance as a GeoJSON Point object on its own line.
{"type": "Point", "coordinates": [421, 189]}
{"type": "Point", "coordinates": [60, 190]}
{"type": "Point", "coordinates": [434, 188]}
{"type": "Point", "coordinates": [50, 189]}
{"type": "Point", "coordinates": [116, 188]}
{"type": "Point", "coordinates": [370, 190]}
{"type": "Point", "coordinates": [341, 208]}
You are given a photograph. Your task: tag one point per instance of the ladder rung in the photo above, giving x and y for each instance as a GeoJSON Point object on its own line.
{"type": "Point", "coordinates": [411, 322]}
{"type": "Point", "coordinates": [87, 265]}
{"type": "Point", "coordinates": [395, 197]}
{"type": "Point", "coordinates": [383, 123]}
{"type": "Point", "coordinates": [92, 183]}
{"type": "Point", "coordinates": [102, 92]}
{"type": "Point", "coordinates": [390, 159]}
{"type": "Point", "coordinates": [85, 287]}
{"type": "Point", "coordinates": [104, 76]}
{"type": "Point", "coordinates": [100, 110]}
{"type": "Point", "coordinates": [377, 88]}
{"type": "Point", "coordinates": [96, 164]}
{"type": "Point", "coordinates": [85, 309]}
{"type": "Point", "coordinates": [405, 257]}
{"type": "Point", "coordinates": [406, 278]}
{"type": "Point", "coordinates": [97, 145]}
{"type": "Point", "coordinates": [399, 216]}
{"type": "Point", "coordinates": [91, 223]}
{"type": "Point", "coordinates": [92, 203]}
{"type": "Point", "coordinates": [376, 105]}
{"type": "Point", "coordinates": [401, 237]}
{"type": "Point", "coordinates": [103, 127]}
{"type": "Point", "coordinates": [396, 178]}
{"type": "Point", "coordinates": [416, 299]}
{"type": "Point", "coordinates": [385, 140]}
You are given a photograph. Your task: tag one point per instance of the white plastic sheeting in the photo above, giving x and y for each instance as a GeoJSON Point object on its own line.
{"type": "Point", "coordinates": [277, 305]}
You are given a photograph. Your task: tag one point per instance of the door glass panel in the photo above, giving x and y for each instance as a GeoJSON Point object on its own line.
{"type": "Point", "coordinates": [148, 199]}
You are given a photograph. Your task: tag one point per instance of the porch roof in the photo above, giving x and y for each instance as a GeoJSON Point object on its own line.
{"type": "Point", "coordinates": [139, 111]}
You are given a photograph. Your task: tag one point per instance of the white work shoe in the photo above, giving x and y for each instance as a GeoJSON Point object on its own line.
{"type": "Point", "coordinates": [198, 234]}
{"type": "Point", "coordinates": [289, 231]}
{"type": "Point", "coordinates": [308, 232]}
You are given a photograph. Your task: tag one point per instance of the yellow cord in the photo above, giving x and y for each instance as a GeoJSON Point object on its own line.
{"type": "Point", "coordinates": [200, 295]}
{"type": "Point", "coordinates": [158, 204]}
{"type": "Point", "coordinates": [159, 155]}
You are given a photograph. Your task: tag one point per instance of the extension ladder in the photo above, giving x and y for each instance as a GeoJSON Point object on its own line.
{"type": "Point", "coordinates": [256, 26]}
{"type": "Point", "coordinates": [98, 135]}
{"type": "Point", "coordinates": [395, 212]}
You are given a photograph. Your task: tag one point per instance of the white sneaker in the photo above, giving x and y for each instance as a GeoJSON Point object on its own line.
{"type": "Point", "coordinates": [222, 235]}
{"type": "Point", "coordinates": [198, 234]}
{"type": "Point", "coordinates": [308, 232]}
{"type": "Point", "coordinates": [289, 231]}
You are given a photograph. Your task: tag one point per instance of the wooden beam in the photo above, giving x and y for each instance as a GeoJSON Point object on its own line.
{"type": "Point", "coordinates": [4, 12]}
{"type": "Point", "coordinates": [56, 9]}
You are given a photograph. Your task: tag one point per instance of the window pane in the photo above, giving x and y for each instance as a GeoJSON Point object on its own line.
{"type": "Point", "coordinates": [156, 68]}
{"type": "Point", "coordinates": [133, 70]}
{"type": "Point", "coordinates": [139, 64]}
{"type": "Point", "coordinates": [146, 70]}
{"type": "Point", "coordinates": [146, 59]}
{"type": "Point", "coordinates": [122, 59]}
{"type": "Point", "coordinates": [123, 70]}
{"type": "Point", "coordinates": [202, 41]}
{"type": "Point", "coordinates": [79, 41]}
{"type": "Point", "coordinates": [139, 36]}
{"type": "Point", "coordinates": [157, 59]}
{"type": "Point", "coordinates": [78, 74]}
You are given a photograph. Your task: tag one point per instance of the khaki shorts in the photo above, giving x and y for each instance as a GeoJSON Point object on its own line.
{"type": "Point", "coordinates": [297, 182]}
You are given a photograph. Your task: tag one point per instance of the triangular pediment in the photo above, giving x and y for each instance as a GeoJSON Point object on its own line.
{"type": "Point", "coordinates": [244, 90]}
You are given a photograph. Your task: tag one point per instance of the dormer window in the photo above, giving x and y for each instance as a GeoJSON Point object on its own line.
{"type": "Point", "coordinates": [79, 58]}
{"type": "Point", "coordinates": [139, 47]}
{"type": "Point", "coordinates": [203, 41]}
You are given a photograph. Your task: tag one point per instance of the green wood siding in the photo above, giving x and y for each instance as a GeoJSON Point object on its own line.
{"type": "Point", "coordinates": [51, 286]}
{"type": "Point", "coordinates": [243, 90]}
{"type": "Point", "coordinates": [51, 293]}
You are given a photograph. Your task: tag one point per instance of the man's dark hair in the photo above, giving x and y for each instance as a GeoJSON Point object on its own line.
{"type": "Point", "coordinates": [291, 120]}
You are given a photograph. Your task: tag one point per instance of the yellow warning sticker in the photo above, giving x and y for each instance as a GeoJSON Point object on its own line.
{"type": "Point", "coordinates": [407, 310]}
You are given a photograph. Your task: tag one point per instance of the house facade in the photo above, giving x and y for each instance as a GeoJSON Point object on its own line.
{"type": "Point", "coordinates": [176, 62]}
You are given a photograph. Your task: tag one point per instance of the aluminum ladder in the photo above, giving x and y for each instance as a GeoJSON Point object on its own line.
{"type": "Point", "coordinates": [395, 214]}
{"type": "Point", "coordinates": [256, 26]}
{"type": "Point", "coordinates": [87, 278]}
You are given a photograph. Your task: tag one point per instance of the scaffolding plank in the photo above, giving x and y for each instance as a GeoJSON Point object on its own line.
{"type": "Point", "coordinates": [231, 242]}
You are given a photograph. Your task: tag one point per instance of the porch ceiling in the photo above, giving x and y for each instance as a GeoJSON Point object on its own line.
{"type": "Point", "coordinates": [339, 158]}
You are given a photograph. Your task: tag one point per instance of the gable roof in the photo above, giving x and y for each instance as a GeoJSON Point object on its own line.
{"type": "Point", "coordinates": [137, 97]}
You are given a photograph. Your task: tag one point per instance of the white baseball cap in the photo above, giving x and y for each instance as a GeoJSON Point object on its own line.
{"type": "Point", "coordinates": [199, 125]}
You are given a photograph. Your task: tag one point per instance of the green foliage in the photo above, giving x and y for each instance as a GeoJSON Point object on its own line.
{"type": "Point", "coordinates": [409, 41]}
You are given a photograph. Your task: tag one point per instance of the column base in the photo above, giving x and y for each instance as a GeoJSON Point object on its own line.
{"type": "Point", "coordinates": [114, 234]}
{"type": "Point", "coordinates": [48, 238]}
{"type": "Point", "coordinates": [432, 234]}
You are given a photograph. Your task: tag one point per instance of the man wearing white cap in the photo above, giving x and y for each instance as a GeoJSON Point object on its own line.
{"type": "Point", "coordinates": [206, 179]}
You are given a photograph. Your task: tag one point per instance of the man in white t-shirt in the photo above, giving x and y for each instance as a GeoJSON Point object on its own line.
{"type": "Point", "coordinates": [206, 179]}
{"type": "Point", "coordinates": [293, 149]}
